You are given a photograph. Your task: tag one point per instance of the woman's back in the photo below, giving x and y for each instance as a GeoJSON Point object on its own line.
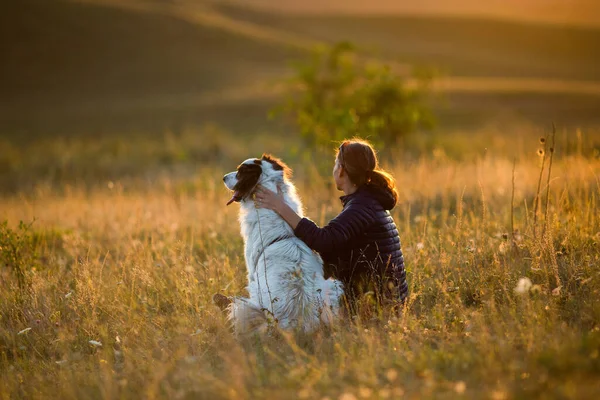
{"type": "Point", "coordinates": [371, 259]}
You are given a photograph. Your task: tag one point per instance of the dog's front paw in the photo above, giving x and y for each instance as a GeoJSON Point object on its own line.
{"type": "Point", "coordinates": [221, 301]}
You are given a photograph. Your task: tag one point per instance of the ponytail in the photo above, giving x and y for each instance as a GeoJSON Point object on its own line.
{"type": "Point", "coordinates": [384, 180]}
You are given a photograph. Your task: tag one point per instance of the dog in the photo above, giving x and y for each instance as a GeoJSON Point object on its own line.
{"type": "Point", "coordinates": [286, 284]}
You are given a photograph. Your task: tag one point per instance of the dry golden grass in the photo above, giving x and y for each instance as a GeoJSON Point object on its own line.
{"type": "Point", "coordinates": [117, 302]}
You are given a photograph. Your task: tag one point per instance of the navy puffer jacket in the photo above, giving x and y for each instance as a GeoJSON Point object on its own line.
{"type": "Point", "coordinates": [361, 246]}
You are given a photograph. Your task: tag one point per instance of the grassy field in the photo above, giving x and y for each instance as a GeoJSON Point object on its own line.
{"type": "Point", "coordinates": [118, 121]}
{"type": "Point", "coordinates": [125, 241]}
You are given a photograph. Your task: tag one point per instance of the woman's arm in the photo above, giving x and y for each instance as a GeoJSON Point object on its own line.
{"type": "Point", "coordinates": [350, 223]}
{"type": "Point", "coordinates": [334, 237]}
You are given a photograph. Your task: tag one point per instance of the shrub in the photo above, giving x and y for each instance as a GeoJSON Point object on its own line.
{"type": "Point", "coordinates": [336, 94]}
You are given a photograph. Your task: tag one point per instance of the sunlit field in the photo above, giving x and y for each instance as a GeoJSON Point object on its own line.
{"type": "Point", "coordinates": [105, 290]}
{"type": "Point", "coordinates": [119, 119]}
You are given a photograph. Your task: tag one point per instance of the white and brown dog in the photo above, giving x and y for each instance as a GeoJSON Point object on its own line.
{"type": "Point", "coordinates": [285, 277]}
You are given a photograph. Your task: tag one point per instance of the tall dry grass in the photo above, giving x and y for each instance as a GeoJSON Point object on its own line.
{"type": "Point", "coordinates": [119, 282]}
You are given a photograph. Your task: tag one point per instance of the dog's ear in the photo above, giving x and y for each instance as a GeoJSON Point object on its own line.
{"type": "Point", "coordinates": [278, 165]}
{"type": "Point", "coordinates": [247, 179]}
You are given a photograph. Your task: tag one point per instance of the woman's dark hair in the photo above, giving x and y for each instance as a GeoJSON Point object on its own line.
{"type": "Point", "coordinates": [359, 160]}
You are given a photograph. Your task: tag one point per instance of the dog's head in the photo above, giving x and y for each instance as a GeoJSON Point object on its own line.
{"type": "Point", "coordinates": [253, 172]}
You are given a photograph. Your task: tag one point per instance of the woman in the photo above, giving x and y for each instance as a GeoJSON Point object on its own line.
{"type": "Point", "coordinates": [360, 246]}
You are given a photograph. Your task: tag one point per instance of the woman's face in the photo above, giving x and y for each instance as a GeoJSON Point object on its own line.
{"type": "Point", "coordinates": [337, 174]}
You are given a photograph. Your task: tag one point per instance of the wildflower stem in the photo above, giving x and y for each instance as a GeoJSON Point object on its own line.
{"type": "Point", "coordinates": [512, 203]}
{"type": "Point", "coordinates": [537, 193]}
{"type": "Point", "coordinates": [549, 175]}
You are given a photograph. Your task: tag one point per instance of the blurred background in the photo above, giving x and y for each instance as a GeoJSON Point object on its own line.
{"type": "Point", "coordinates": [102, 89]}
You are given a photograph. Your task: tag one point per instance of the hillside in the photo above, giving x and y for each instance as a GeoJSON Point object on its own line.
{"type": "Point", "coordinates": [145, 65]}
{"type": "Point", "coordinates": [460, 46]}
{"type": "Point", "coordinates": [60, 55]}
{"type": "Point", "coordinates": [574, 12]}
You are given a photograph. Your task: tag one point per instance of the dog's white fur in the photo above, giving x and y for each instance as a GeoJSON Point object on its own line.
{"type": "Point", "coordinates": [285, 277]}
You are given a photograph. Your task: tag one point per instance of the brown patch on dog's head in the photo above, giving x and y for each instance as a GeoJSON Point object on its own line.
{"type": "Point", "coordinates": [278, 165]}
{"type": "Point", "coordinates": [247, 177]}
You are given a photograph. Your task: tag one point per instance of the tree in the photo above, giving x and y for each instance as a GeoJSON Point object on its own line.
{"type": "Point", "coordinates": [335, 95]}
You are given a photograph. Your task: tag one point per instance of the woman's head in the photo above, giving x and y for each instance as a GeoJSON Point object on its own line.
{"type": "Point", "coordinates": [356, 164]}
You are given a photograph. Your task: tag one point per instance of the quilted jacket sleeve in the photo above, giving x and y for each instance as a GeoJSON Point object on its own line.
{"type": "Point", "coordinates": [333, 238]}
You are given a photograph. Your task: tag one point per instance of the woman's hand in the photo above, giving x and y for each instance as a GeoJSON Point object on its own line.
{"type": "Point", "coordinates": [264, 198]}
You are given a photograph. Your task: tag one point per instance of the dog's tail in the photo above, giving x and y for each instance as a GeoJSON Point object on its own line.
{"type": "Point", "coordinates": [247, 317]}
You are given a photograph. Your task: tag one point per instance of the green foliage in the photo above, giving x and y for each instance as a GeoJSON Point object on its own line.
{"type": "Point", "coordinates": [18, 253]}
{"type": "Point", "coordinates": [336, 94]}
